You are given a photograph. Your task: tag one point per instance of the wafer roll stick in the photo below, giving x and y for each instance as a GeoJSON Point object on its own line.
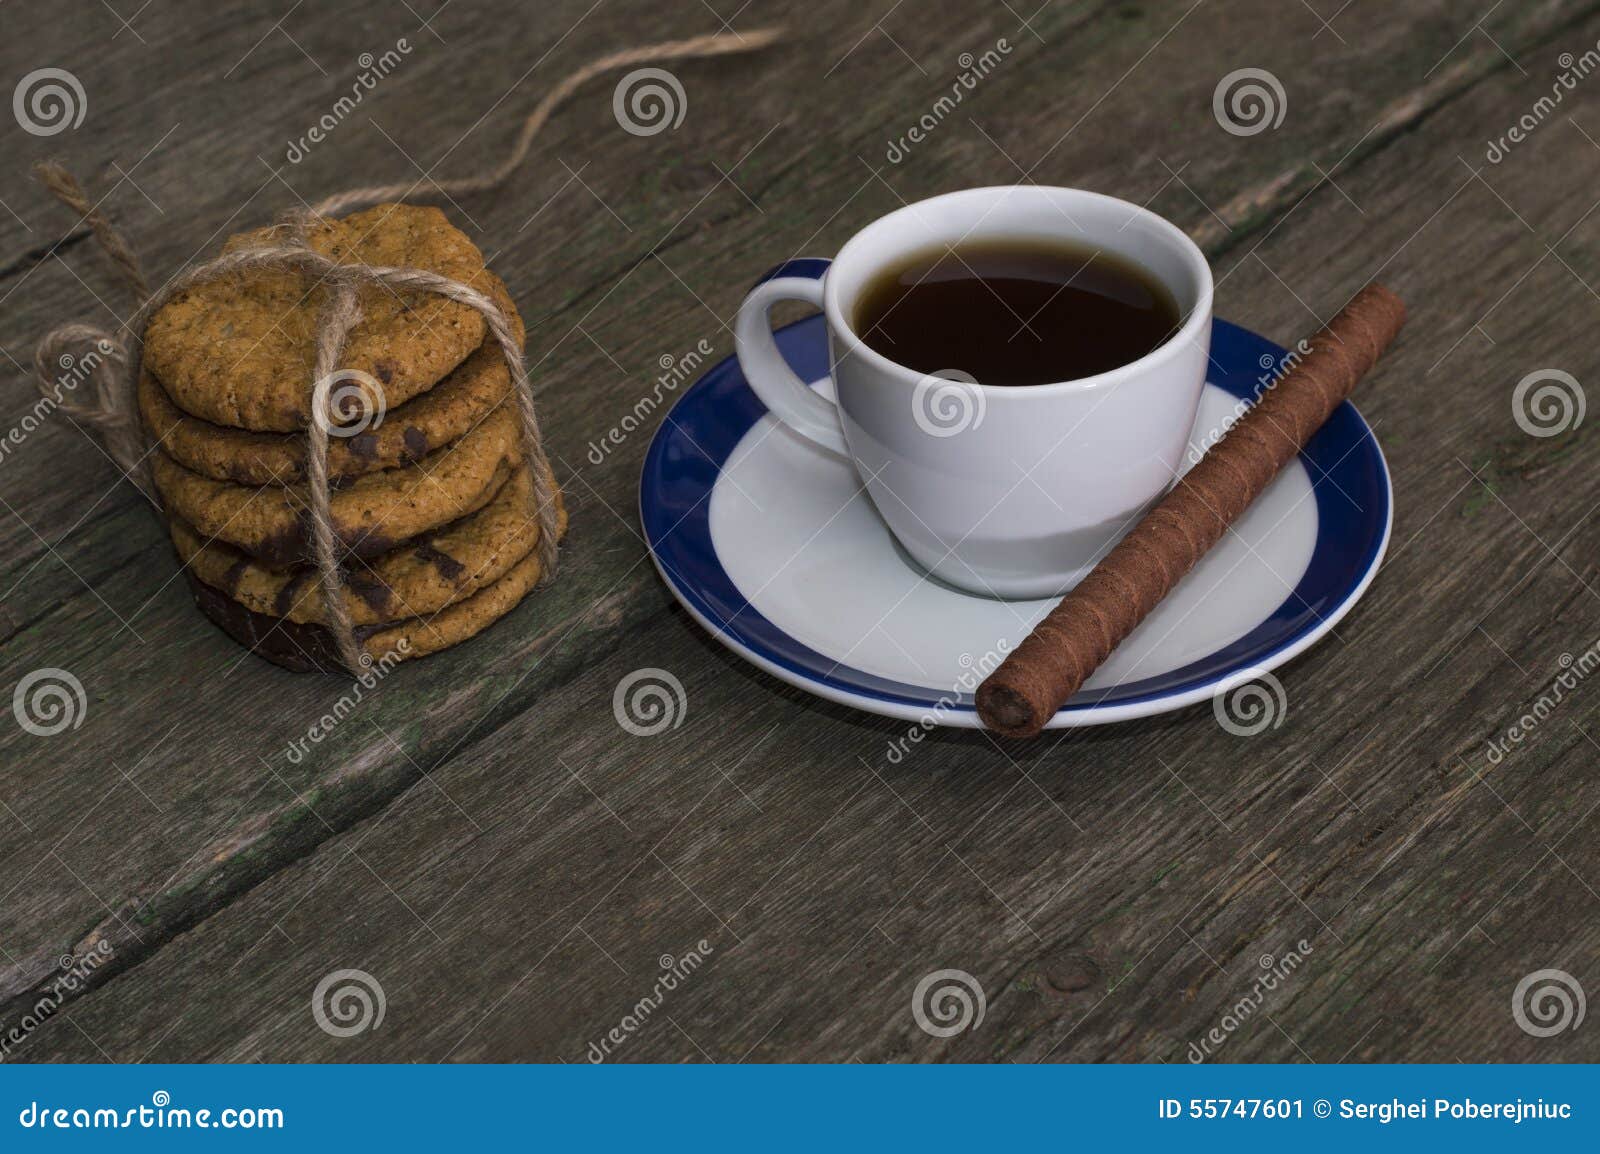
{"type": "Point", "coordinates": [1094, 618]}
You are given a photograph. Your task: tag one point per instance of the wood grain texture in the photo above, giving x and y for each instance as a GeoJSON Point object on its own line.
{"type": "Point", "coordinates": [481, 835]}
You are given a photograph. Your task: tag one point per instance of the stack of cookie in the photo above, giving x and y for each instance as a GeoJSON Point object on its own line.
{"type": "Point", "coordinates": [431, 501]}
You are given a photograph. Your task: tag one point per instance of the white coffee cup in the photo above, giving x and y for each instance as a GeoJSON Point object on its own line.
{"type": "Point", "coordinates": [1009, 492]}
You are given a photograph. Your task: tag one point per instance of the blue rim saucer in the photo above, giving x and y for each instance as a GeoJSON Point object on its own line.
{"type": "Point", "coordinates": [691, 450]}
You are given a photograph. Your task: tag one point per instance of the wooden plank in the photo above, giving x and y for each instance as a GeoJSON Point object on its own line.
{"type": "Point", "coordinates": [514, 901]}
{"type": "Point", "coordinates": [205, 814]}
{"type": "Point", "coordinates": [98, 596]}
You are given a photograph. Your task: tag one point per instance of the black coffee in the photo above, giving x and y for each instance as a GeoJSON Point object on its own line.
{"type": "Point", "coordinates": [1016, 312]}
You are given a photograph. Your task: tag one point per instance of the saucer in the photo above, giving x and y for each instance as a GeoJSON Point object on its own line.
{"type": "Point", "coordinates": [773, 546]}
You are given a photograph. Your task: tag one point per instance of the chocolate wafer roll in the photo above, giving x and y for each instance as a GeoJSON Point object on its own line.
{"type": "Point", "coordinates": [1094, 618]}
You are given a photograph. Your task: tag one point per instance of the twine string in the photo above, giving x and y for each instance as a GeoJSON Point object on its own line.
{"type": "Point", "coordinates": [698, 47]}
{"type": "Point", "coordinates": [112, 365]}
{"type": "Point", "coordinates": [339, 315]}
{"type": "Point", "coordinates": [61, 185]}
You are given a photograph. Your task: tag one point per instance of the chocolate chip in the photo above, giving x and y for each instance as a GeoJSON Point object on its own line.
{"type": "Point", "coordinates": [449, 568]}
{"type": "Point", "coordinates": [375, 593]}
{"type": "Point", "coordinates": [235, 573]}
{"type": "Point", "coordinates": [289, 595]}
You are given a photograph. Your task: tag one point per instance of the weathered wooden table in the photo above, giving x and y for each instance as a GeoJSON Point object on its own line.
{"type": "Point", "coordinates": [483, 840]}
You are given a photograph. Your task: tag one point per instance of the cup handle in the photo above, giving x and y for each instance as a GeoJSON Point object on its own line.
{"type": "Point", "coordinates": [790, 399]}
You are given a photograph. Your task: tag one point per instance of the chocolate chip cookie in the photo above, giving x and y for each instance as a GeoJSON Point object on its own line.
{"type": "Point", "coordinates": [307, 647]}
{"type": "Point", "coordinates": [371, 515]}
{"type": "Point", "coordinates": [240, 350]}
{"type": "Point", "coordinates": [403, 435]}
{"type": "Point", "coordinates": [417, 579]}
